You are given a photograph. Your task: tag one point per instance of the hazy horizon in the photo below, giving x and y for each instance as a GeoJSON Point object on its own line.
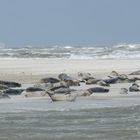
{"type": "Point", "coordinates": [69, 22]}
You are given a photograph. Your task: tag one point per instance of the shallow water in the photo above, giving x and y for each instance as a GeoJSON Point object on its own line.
{"type": "Point", "coordinates": [40, 119]}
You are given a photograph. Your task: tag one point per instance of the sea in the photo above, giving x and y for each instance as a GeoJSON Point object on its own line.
{"type": "Point", "coordinates": [120, 51]}
{"type": "Point", "coordinates": [86, 118]}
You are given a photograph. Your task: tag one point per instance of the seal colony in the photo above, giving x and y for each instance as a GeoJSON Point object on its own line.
{"type": "Point", "coordinates": [67, 88]}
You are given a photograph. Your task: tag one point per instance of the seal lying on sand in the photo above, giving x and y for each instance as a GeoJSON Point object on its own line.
{"type": "Point", "coordinates": [44, 85]}
{"type": "Point", "coordinates": [134, 88]}
{"type": "Point", "coordinates": [103, 83]}
{"type": "Point", "coordinates": [64, 77]}
{"type": "Point", "coordinates": [62, 97]}
{"type": "Point", "coordinates": [98, 90]}
{"type": "Point", "coordinates": [120, 79]}
{"type": "Point", "coordinates": [80, 93]}
{"type": "Point", "coordinates": [110, 80]}
{"type": "Point", "coordinates": [114, 74]}
{"type": "Point", "coordinates": [49, 80]}
{"type": "Point", "coordinates": [10, 84]}
{"type": "Point", "coordinates": [68, 80]}
{"type": "Point", "coordinates": [33, 92]}
{"type": "Point", "coordinates": [135, 73]}
{"type": "Point", "coordinates": [92, 81]}
{"type": "Point", "coordinates": [84, 76]}
{"type": "Point", "coordinates": [13, 91]}
{"type": "Point", "coordinates": [63, 90]}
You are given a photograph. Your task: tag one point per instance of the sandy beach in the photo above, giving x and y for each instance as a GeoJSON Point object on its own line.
{"type": "Point", "coordinates": [30, 71]}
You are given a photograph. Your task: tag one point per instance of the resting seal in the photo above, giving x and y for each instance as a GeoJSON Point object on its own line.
{"type": "Point", "coordinates": [34, 92]}
{"type": "Point", "coordinates": [134, 88]}
{"type": "Point", "coordinates": [98, 90]}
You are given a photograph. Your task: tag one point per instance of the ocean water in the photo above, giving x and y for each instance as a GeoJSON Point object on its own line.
{"type": "Point", "coordinates": [121, 51]}
{"type": "Point", "coordinates": [84, 119]}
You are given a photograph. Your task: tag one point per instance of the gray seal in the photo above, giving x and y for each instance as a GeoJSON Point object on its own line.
{"type": "Point", "coordinates": [10, 83]}
{"type": "Point", "coordinates": [135, 73]}
{"type": "Point", "coordinates": [49, 80]}
{"type": "Point", "coordinates": [98, 90]}
{"type": "Point", "coordinates": [134, 88]}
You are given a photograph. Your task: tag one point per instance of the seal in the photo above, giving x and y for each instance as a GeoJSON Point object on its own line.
{"type": "Point", "coordinates": [62, 97]}
{"type": "Point", "coordinates": [135, 73]}
{"type": "Point", "coordinates": [80, 93]}
{"type": "Point", "coordinates": [98, 90]}
{"type": "Point", "coordinates": [83, 76]}
{"type": "Point", "coordinates": [114, 74]}
{"type": "Point", "coordinates": [33, 92]}
{"type": "Point", "coordinates": [64, 77]}
{"type": "Point", "coordinates": [49, 80]}
{"type": "Point", "coordinates": [92, 81]}
{"type": "Point", "coordinates": [13, 91]}
{"type": "Point", "coordinates": [10, 83]}
{"type": "Point", "coordinates": [134, 88]}
{"type": "Point", "coordinates": [70, 81]}
{"type": "Point", "coordinates": [103, 83]}
{"type": "Point", "coordinates": [111, 80]}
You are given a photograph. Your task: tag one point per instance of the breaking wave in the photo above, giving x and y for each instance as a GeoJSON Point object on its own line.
{"type": "Point", "coordinates": [121, 51]}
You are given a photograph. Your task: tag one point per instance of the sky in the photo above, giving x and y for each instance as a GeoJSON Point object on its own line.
{"type": "Point", "coordinates": [69, 22]}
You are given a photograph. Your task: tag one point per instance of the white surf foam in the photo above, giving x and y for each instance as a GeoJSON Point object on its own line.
{"type": "Point", "coordinates": [120, 51]}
